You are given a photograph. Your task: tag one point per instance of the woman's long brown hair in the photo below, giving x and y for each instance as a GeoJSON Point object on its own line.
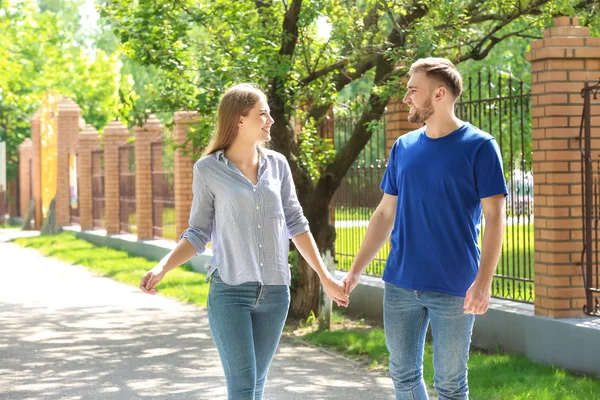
{"type": "Point", "coordinates": [237, 101]}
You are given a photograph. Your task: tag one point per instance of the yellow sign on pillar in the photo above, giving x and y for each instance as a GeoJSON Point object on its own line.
{"type": "Point", "coordinates": [48, 133]}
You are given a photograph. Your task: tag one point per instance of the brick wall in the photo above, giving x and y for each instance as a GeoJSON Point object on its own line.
{"type": "Point", "coordinates": [25, 175]}
{"type": "Point", "coordinates": [144, 136]}
{"type": "Point", "coordinates": [183, 169]}
{"type": "Point", "coordinates": [89, 140]}
{"type": "Point", "coordinates": [68, 128]}
{"type": "Point", "coordinates": [115, 134]}
{"type": "Point", "coordinates": [37, 168]}
{"type": "Point", "coordinates": [560, 64]}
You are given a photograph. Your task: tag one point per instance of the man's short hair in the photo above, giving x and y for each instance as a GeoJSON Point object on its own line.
{"type": "Point", "coordinates": [442, 70]}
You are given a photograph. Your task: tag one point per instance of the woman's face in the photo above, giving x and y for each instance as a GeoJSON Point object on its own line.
{"type": "Point", "coordinates": [256, 126]}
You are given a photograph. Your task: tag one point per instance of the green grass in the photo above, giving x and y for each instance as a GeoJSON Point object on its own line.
{"type": "Point", "coordinates": [353, 213]}
{"type": "Point", "coordinates": [491, 376]}
{"type": "Point", "coordinates": [181, 283]}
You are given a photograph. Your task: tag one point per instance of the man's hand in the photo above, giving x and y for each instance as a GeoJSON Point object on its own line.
{"type": "Point", "coordinates": [335, 291]}
{"type": "Point", "coordinates": [477, 300]}
{"type": "Point", "coordinates": [350, 281]}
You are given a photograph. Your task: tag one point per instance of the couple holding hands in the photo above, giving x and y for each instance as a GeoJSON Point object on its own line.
{"type": "Point", "coordinates": [438, 181]}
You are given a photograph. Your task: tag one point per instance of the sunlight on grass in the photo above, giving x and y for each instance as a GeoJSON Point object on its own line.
{"type": "Point", "coordinates": [181, 283]}
{"type": "Point", "coordinates": [491, 376]}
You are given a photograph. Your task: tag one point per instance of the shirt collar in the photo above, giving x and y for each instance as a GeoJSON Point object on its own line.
{"type": "Point", "coordinates": [220, 154]}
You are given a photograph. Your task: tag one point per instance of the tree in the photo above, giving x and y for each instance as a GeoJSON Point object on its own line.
{"type": "Point", "coordinates": [43, 48]}
{"type": "Point", "coordinates": [202, 47]}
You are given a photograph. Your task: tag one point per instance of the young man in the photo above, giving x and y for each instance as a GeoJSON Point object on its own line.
{"type": "Point", "coordinates": [438, 180]}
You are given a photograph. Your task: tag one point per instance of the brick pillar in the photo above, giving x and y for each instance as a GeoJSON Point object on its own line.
{"type": "Point", "coordinates": [115, 134]}
{"type": "Point", "coordinates": [183, 169]}
{"type": "Point", "coordinates": [397, 123]}
{"type": "Point", "coordinates": [144, 136]}
{"type": "Point", "coordinates": [12, 196]}
{"type": "Point", "coordinates": [158, 179]}
{"type": "Point", "coordinates": [560, 64]}
{"type": "Point", "coordinates": [25, 175]}
{"type": "Point", "coordinates": [37, 168]}
{"type": "Point", "coordinates": [89, 140]}
{"type": "Point", "coordinates": [68, 126]}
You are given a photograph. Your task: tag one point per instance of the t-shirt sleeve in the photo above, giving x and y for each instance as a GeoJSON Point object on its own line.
{"type": "Point", "coordinates": [489, 174]}
{"type": "Point", "coordinates": [389, 181]}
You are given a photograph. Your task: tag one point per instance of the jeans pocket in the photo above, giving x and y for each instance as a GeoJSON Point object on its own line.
{"type": "Point", "coordinates": [215, 277]}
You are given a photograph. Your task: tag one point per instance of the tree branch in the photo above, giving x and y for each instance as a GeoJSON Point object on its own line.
{"type": "Point", "coordinates": [342, 80]}
{"type": "Point", "coordinates": [323, 71]}
{"type": "Point", "coordinates": [290, 28]}
{"type": "Point", "coordinates": [283, 133]}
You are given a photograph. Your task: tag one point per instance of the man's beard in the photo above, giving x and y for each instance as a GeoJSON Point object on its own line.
{"type": "Point", "coordinates": [420, 115]}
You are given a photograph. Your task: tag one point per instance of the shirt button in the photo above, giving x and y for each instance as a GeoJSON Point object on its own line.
{"type": "Point", "coordinates": [260, 245]}
{"type": "Point", "coordinates": [259, 227]}
{"type": "Point", "coordinates": [254, 189]}
{"type": "Point", "coordinates": [261, 264]}
{"type": "Point", "coordinates": [257, 207]}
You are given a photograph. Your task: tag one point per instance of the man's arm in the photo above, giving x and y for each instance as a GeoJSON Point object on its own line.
{"type": "Point", "coordinates": [378, 232]}
{"type": "Point", "coordinates": [478, 295]}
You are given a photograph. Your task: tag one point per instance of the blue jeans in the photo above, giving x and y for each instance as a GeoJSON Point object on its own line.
{"type": "Point", "coordinates": [246, 322]}
{"type": "Point", "coordinates": [406, 314]}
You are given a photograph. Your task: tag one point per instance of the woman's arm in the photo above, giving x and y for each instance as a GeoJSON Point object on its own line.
{"type": "Point", "coordinates": [307, 247]}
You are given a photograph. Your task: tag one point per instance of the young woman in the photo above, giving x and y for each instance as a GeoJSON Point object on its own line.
{"type": "Point", "coordinates": [245, 202]}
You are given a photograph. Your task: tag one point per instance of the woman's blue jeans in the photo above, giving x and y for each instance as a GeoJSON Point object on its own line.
{"type": "Point", "coordinates": [246, 322]}
{"type": "Point", "coordinates": [406, 314]}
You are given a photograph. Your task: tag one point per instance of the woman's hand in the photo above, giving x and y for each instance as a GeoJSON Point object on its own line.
{"type": "Point", "coordinates": [152, 278]}
{"type": "Point", "coordinates": [336, 292]}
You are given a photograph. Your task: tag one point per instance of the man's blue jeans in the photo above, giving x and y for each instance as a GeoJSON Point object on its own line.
{"type": "Point", "coordinates": [246, 322]}
{"type": "Point", "coordinates": [406, 316]}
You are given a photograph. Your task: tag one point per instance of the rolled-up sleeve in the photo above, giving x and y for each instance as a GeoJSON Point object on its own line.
{"type": "Point", "coordinates": [294, 216]}
{"type": "Point", "coordinates": [201, 215]}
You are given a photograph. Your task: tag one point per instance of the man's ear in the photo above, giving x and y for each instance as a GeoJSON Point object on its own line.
{"type": "Point", "coordinates": [241, 122]}
{"type": "Point", "coordinates": [440, 93]}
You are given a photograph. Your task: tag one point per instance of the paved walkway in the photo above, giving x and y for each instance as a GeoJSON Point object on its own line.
{"type": "Point", "coordinates": [67, 334]}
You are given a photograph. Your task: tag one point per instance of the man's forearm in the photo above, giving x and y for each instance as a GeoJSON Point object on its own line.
{"type": "Point", "coordinates": [490, 249]}
{"type": "Point", "coordinates": [378, 232]}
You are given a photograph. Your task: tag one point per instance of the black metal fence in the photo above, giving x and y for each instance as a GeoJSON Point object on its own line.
{"type": "Point", "coordinates": [127, 206]}
{"type": "Point", "coordinates": [359, 193]}
{"type": "Point", "coordinates": [493, 102]}
{"type": "Point", "coordinates": [500, 105]}
{"type": "Point", "coordinates": [163, 191]}
{"type": "Point", "coordinates": [590, 171]}
{"type": "Point", "coordinates": [98, 189]}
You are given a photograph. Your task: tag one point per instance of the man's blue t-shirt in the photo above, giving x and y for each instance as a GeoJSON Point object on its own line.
{"type": "Point", "coordinates": [440, 184]}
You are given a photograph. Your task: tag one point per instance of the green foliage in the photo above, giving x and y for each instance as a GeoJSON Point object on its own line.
{"type": "Point", "coordinates": [315, 151]}
{"type": "Point", "coordinates": [199, 48]}
{"type": "Point", "coordinates": [45, 51]}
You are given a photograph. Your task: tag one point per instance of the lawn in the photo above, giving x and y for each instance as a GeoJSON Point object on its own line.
{"type": "Point", "coordinates": [494, 376]}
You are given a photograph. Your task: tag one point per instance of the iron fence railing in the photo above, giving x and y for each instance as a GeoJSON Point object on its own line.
{"type": "Point", "coordinates": [127, 205]}
{"type": "Point", "coordinates": [590, 171]}
{"type": "Point", "coordinates": [98, 200]}
{"type": "Point", "coordinates": [163, 192]}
